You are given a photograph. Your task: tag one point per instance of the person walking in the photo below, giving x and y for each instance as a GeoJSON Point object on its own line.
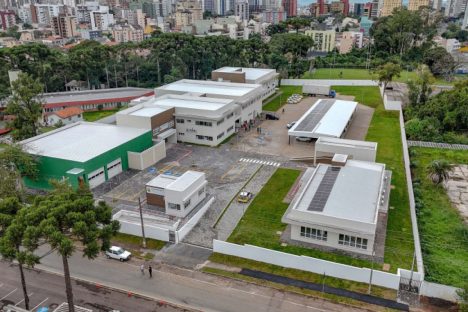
{"type": "Point", "coordinates": [142, 269]}
{"type": "Point", "coordinates": [150, 270]}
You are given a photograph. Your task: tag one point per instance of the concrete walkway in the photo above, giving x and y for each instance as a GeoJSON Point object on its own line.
{"type": "Point", "coordinates": [236, 210]}
{"type": "Point", "coordinates": [438, 145]}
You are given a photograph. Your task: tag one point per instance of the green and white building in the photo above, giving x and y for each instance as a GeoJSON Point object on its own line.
{"type": "Point", "coordinates": [88, 153]}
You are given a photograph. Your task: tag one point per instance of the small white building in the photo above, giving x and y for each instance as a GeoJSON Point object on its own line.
{"type": "Point", "coordinates": [355, 149]}
{"type": "Point", "coordinates": [266, 77]}
{"type": "Point", "coordinates": [338, 206]}
{"type": "Point", "coordinates": [65, 116]}
{"type": "Point", "coordinates": [178, 194]}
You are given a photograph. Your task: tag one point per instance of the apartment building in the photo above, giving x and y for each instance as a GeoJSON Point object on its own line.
{"type": "Point", "coordinates": [64, 26]}
{"type": "Point", "coordinates": [324, 40]}
{"type": "Point", "coordinates": [388, 6]}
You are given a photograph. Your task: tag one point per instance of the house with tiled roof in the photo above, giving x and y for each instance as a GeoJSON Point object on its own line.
{"type": "Point", "coordinates": [65, 116]}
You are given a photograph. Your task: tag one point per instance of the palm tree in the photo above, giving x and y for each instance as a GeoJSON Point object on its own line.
{"type": "Point", "coordinates": [439, 171]}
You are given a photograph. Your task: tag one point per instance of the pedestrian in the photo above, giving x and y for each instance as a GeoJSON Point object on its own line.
{"type": "Point", "coordinates": [283, 110]}
{"type": "Point", "coordinates": [142, 269]}
{"type": "Point", "coordinates": [150, 271]}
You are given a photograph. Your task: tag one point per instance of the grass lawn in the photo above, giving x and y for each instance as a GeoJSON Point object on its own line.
{"type": "Point", "coordinates": [363, 74]}
{"type": "Point", "coordinates": [93, 116]}
{"type": "Point", "coordinates": [300, 275]}
{"type": "Point", "coordinates": [444, 236]}
{"type": "Point", "coordinates": [42, 130]}
{"type": "Point", "coordinates": [385, 130]}
{"type": "Point", "coordinates": [277, 102]}
{"type": "Point", "coordinates": [134, 242]}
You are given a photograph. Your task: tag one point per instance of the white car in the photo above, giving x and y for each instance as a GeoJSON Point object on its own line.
{"type": "Point", "coordinates": [118, 253]}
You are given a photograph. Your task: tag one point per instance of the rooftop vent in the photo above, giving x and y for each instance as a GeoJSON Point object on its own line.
{"type": "Point", "coordinates": [339, 160]}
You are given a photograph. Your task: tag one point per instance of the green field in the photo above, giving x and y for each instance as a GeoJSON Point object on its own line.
{"type": "Point", "coordinates": [385, 130]}
{"type": "Point", "coordinates": [93, 116]}
{"type": "Point", "coordinates": [275, 103]}
{"type": "Point", "coordinates": [444, 236]}
{"type": "Point", "coordinates": [360, 74]}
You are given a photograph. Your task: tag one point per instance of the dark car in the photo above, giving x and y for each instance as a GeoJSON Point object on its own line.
{"type": "Point", "coordinates": [271, 117]}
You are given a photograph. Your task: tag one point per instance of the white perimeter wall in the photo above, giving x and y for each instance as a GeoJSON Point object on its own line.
{"type": "Point", "coordinates": [309, 264]}
{"type": "Point", "coordinates": [149, 157]}
{"type": "Point", "coordinates": [134, 228]}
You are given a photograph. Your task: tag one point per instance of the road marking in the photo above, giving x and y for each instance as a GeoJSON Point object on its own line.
{"type": "Point", "coordinates": [29, 296]}
{"type": "Point", "coordinates": [260, 162]}
{"type": "Point", "coordinates": [40, 304]}
{"type": "Point", "coordinates": [8, 294]}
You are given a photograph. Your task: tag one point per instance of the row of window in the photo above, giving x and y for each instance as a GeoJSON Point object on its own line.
{"type": "Point", "coordinates": [186, 203]}
{"type": "Point", "coordinates": [203, 123]}
{"type": "Point", "coordinates": [204, 137]}
{"type": "Point", "coordinates": [220, 121]}
{"type": "Point", "coordinates": [353, 241]}
{"type": "Point", "coordinates": [343, 239]}
{"type": "Point", "coordinates": [314, 233]}
{"type": "Point", "coordinates": [220, 135]}
{"type": "Point", "coordinates": [230, 129]}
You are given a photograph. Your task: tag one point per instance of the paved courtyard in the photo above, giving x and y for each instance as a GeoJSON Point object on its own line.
{"type": "Point", "coordinates": [274, 139]}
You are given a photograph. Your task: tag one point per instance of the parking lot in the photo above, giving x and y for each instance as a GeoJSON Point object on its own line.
{"type": "Point", "coordinates": [274, 139]}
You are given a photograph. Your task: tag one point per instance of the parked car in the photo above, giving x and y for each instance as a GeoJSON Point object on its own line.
{"type": "Point", "coordinates": [303, 139]}
{"type": "Point", "coordinates": [291, 124]}
{"type": "Point", "coordinates": [270, 116]}
{"type": "Point", "coordinates": [244, 197]}
{"type": "Point", "coordinates": [118, 253]}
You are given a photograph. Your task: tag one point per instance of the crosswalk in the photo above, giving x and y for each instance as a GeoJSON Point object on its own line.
{"type": "Point", "coordinates": [260, 162]}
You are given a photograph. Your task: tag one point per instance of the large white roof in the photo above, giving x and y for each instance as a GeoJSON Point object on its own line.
{"type": "Point", "coordinates": [80, 141]}
{"type": "Point", "coordinates": [192, 102]}
{"type": "Point", "coordinates": [326, 118]}
{"type": "Point", "coordinates": [354, 195]}
{"type": "Point", "coordinates": [209, 87]}
{"type": "Point", "coordinates": [250, 73]}
{"type": "Point", "coordinates": [147, 111]}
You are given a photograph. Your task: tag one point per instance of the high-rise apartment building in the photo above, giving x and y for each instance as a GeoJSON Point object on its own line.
{"type": "Point", "coordinates": [64, 26]}
{"type": "Point", "coordinates": [7, 19]}
{"type": "Point", "coordinates": [324, 40]}
{"type": "Point", "coordinates": [322, 6]}
{"type": "Point", "coordinates": [388, 7]}
{"type": "Point", "coordinates": [453, 8]}
{"type": "Point", "coordinates": [345, 7]}
{"type": "Point", "coordinates": [414, 5]}
{"type": "Point", "coordinates": [290, 6]}
{"type": "Point", "coordinates": [242, 9]}
{"type": "Point", "coordinates": [187, 12]}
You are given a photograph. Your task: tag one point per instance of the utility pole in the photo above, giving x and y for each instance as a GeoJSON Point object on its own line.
{"type": "Point", "coordinates": [142, 225]}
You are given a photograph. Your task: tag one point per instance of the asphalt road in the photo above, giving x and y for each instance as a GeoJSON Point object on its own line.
{"type": "Point", "coordinates": [182, 287]}
{"type": "Point", "coordinates": [47, 290]}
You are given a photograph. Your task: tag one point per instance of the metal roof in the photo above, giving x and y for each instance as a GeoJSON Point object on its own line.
{"type": "Point", "coordinates": [80, 141]}
{"type": "Point", "coordinates": [210, 87]}
{"type": "Point", "coordinates": [326, 118]}
{"type": "Point", "coordinates": [351, 192]}
{"type": "Point", "coordinates": [185, 180]}
{"type": "Point", "coordinates": [347, 142]}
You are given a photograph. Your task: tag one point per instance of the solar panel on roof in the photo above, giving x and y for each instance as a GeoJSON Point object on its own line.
{"type": "Point", "coordinates": [314, 117]}
{"type": "Point", "coordinates": [323, 191]}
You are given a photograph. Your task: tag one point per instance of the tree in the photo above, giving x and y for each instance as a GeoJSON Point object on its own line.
{"type": "Point", "coordinates": [438, 171]}
{"type": "Point", "coordinates": [17, 241]}
{"type": "Point", "coordinates": [66, 216]}
{"type": "Point", "coordinates": [14, 165]}
{"type": "Point", "coordinates": [386, 72]}
{"type": "Point", "coordinates": [420, 89]}
{"type": "Point", "coordinates": [440, 62]}
{"type": "Point", "coordinates": [26, 106]}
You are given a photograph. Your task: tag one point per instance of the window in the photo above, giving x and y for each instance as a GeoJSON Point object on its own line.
{"type": "Point", "coordinates": [187, 203]}
{"type": "Point", "coordinates": [203, 123]}
{"type": "Point", "coordinates": [229, 115]}
{"type": "Point", "coordinates": [230, 128]}
{"type": "Point", "coordinates": [353, 241]}
{"type": "Point", "coordinates": [201, 191]}
{"type": "Point", "coordinates": [173, 206]}
{"type": "Point", "coordinates": [181, 133]}
{"type": "Point", "coordinates": [220, 121]}
{"type": "Point", "coordinates": [314, 233]}
{"type": "Point", "coordinates": [200, 137]}
{"type": "Point", "coordinates": [220, 135]}
{"type": "Point", "coordinates": [178, 120]}
{"type": "Point", "coordinates": [209, 138]}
